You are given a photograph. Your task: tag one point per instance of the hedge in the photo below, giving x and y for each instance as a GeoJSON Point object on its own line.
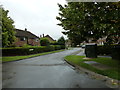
{"type": "Point", "coordinates": [116, 52]}
{"type": "Point", "coordinates": [62, 46]}
{"type": "Point", "coordinates": [57, 47]}
{"type": "Point", "coordinates": [14, 51]}
{"type": "Point", "coordinates": [105, 49]}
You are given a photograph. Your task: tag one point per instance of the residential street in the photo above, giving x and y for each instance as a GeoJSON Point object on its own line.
{"type": "Point", "coordinates": [47, 71]}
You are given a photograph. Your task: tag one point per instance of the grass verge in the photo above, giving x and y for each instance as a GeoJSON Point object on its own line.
{"type": "Point", "coordinates": [113, 72]}
{"type": "Point", "coordinates": [14, 58]}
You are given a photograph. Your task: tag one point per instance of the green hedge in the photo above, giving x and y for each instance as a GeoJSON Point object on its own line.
{"type": "Point", "coordinates": [14, 51]}
{"type": "Point", "coordinates": [105, 49]}
{"type": "Point", "coordinates": [62, 46]}
{"type": "Point", "coordinates": [57, 47]}
{"type": "Point", "coordinates": [116, 52]}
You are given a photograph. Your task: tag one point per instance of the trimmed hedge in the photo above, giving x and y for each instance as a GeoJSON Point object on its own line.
{"type": "Point", "coordinates": [116, 52]}
{"type": "Point", "coordinates": [105, 49]}
{"type": "Point", "coordinates": [57, 47]}
{"type": "Point", "coordinates": [62, 46]}
{"type": "Point", "coordinates": [14, 51]}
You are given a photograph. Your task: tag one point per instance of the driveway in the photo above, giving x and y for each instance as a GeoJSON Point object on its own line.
{"type": "Point", "coordinates": [47, 71]}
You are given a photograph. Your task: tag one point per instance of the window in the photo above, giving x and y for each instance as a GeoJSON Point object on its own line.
{"type": "Point", "coordinates": [37, 40]}
{"type": "Point", "coordinates": [22, 39]}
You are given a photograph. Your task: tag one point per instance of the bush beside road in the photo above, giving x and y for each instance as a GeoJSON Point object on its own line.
{"type": "Point", "coordinates": [16, 51]}
{"type": "Point", "coordinates": [14, 58]}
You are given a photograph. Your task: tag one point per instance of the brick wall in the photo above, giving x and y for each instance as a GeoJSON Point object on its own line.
{"type": "Point", "coordinates": [18, 42]}
{"type": "Point", "coordinates": [32, 42]}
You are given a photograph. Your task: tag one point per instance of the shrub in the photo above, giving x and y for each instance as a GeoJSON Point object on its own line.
{"type": "Point", "coordinates": [116, 52]}
{"type": "Point", "coordinates": [57, 47]}
{"type": "Point", "coordinates": [54, 43]}
{"type": "Point", "coordinates": [14, 51]}
{"type": "Point", "coordinates": [61, 41]}
{"type": "Point", "coordinates": [44, 42]}
{"type": "Point", "coordinates": [49, 48]}
{"type": "Point", "coordinates": [62, 46]}
{"type": "Point", "coordinates": [105, 49]}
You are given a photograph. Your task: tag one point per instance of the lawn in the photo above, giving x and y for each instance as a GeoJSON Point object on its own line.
{"type": "Point", "coordinates": [113, 72]}
{"type": "Point", "coordinates": [14, 58]}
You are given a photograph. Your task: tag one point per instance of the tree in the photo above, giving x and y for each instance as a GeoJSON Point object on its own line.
{"type": "Point", "coordinates": [70, 22]}
{"type": "Point", "coordinates": [8, 33]}
{"type": "Point", "coordinates": [107, 18]}
{"type": "Point", "coordinates": [44, 42]}
{"type": "Point", "coordinates": [61, 41]}
{"type": "Point", "coordinates": [82, 21]}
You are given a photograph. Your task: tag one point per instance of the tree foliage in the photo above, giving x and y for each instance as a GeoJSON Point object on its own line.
{"type": "Point", "coordinates": [61, 41]}
{"type": "Point", "coordinates": [82, 21]}
{"type": "Point", "coordinates": [44, 42]}
{"type": "Point", "coordinates": [8, 33]}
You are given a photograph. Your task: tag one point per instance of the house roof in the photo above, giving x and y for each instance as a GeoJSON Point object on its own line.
{"type": "Point", "coordinates": [24, 33]}
{"type": "Point", "coordinates": [49, 37]}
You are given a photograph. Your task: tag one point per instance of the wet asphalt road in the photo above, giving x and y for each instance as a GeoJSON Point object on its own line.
{"type": "Point", "coordinates": [48, 71]}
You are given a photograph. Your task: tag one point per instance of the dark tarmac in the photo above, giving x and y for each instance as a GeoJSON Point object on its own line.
{"type": "Point", "coordinates": [47, 71]}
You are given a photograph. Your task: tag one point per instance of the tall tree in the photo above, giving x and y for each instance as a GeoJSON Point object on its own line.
{"type": "Point", "coordinates": [107, 20]}
{"type": "Point", "coordinates": [70, 21]}
{"type": "Point", "coordinates": [8, 33]}
{"type": "Point", "coordinates": [82, 21]}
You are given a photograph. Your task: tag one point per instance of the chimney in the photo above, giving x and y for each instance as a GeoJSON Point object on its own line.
{"type": "Point", "coordinates": [25, 29]}
{"type": "Point", "coordinates": [43, 35]}
{"type": "Point", "coordinates": [40, 36]}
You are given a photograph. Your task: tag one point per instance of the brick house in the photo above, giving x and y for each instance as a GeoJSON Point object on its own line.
{"type": "Point", "coordinates": [26, 37]}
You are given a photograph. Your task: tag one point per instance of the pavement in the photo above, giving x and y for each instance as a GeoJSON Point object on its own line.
{"type": "Point", "coordinates": [47, 71]}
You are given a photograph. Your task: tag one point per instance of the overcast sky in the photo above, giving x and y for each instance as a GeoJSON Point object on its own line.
{"type": "Point", "coordinates": [38, 16]}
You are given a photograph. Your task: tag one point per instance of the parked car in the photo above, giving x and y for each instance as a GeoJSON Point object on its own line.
{"type": "Point", "coordinates": [83, 46]}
